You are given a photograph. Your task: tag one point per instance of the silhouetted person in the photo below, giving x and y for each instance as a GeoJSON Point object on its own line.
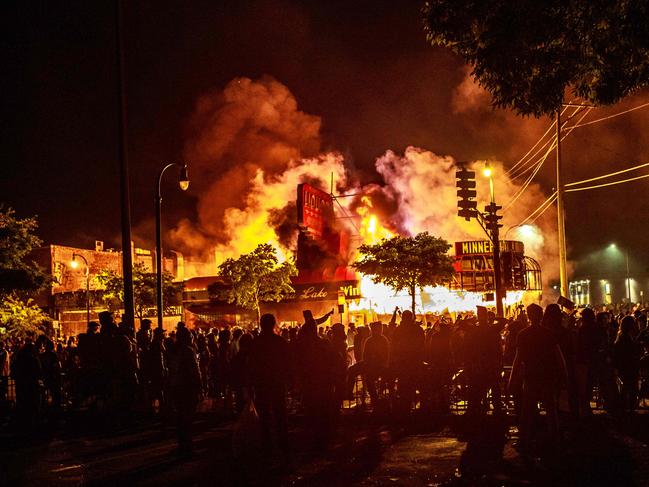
{"type": "Point", "coordinates": [241, 372]}
{"type": "Point", "coordinates": [184, 387]}
{"type": "Point", "coordinates": [51, 372]}
{"type": "Point", "coordinates": [376, 359]}
{"type": "Point", "coordinates": [269, 360]}
{"type": "Point", "coordinates": [203, 353]}
{"type": "Point", "coordinates": [512, 329]}
{"type": "Point", "coordinates": [568, 340]}
{"type": "Point", "coordinates": [338, 342]}
{"type": "Point", "coordinates": [157, 372]}
{"type": "Point", "coordinates": [92, 380]}
{"type": "Point", "coordinates": [440, 360]}
{"type": "Point", "coordinates": [407, 357]}
{"type": "Point", "coordinates": [26, 372]}
{"type": "Point", "coordinates": [483, 363]}
{"type": "Point", "coordinates": [143, 337]}
{"type": "Point", "coordinates": [539, 367]}
{"type": "Point", "coordinates": [315, 363]}
{"type": "Point", "coordinates": [627, 362]}
{"type": "Point", "coordinates": [592, 342]}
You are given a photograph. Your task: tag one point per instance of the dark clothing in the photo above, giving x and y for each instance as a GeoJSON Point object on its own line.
{"type": "Point", "coordinates": [269, 361]}
{"type": "Point", "coordinates": [537, 349]}
{"type": "Point", "coordinates": [185, 387]}
{"type": "Point", "coordinates": [26, 372]}
{"type": "Point", "coordinates": [375, 363]}
{"type": "Point", "coordinates": [315, 365]}
{"type": "Point", "coordinates": [483, 363]}
{"type": "Point", "coordinates": [407, 360]}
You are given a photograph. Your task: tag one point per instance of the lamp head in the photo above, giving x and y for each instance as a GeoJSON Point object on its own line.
{"type": "Point", "coordinates": [487, 171]}
{"type": "Point", "coordinates": [183, 182]}
{"type": "Point", "coordinates": [75, 263]}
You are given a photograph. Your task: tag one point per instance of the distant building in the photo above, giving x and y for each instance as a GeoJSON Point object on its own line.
{"type": "Point", "coordinates": [65, 300]}
{"type": "Point", "coordinates": [597, 290]}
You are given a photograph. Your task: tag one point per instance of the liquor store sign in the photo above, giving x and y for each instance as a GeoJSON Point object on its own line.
{"type": "Point", "coordinates": [314, 209]}
{"type": "Point", "coordinates": [326, 291]}
{"type": "Point", "coordinates": [485, 247]}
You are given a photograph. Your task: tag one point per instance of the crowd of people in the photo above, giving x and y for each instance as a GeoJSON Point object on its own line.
{"type": "Point", "coordinates": [537, 356]}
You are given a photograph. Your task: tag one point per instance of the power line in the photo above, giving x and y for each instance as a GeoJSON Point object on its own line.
{"type": "Point", "coordinates": [554, 143]}
{"type": "Point", "coordinates": [538, 167]}
{"type": "Point", "coordinates": [608, 175]}
{"type": "Point", "coordinates": [511, 169]}
{"type": "Point", "coordinates": [541, 207]}
{"type": "Point", "coordinates": [549, 204]}
{"type": "Point", "coordinates": [577, 125]}
{"type": "Point", "coordinates": [607, 184]}
{"type": "Point", "coordinates": [529, 179]}
{"type": "Point", "coordinates": [525, 160]}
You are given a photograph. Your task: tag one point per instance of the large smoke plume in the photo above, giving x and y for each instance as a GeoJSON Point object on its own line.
{"type": "Point", "coordinates": [252, 146]}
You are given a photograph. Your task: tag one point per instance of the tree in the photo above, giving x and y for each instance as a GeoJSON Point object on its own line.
{"type": "Point", "coordinates": [17, 240]}
{"type": "Point", "coordinates": [21, 318]}
{"type": "Point", "coordinates": [527, 53]}
{"type": "Point", "coordinates": [407, 262]}
{"type": "Point", "coordinates": [255, 278]}
{"type": "Point", "coordinates": [144, 289]}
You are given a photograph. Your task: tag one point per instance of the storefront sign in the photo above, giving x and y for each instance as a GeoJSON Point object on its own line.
{"type": "Point", "coordinates": [485, 247]}
{"type": "Point", "coordinates": [326, 291]}
{"type": "Point", "coordinates": [314, 209]}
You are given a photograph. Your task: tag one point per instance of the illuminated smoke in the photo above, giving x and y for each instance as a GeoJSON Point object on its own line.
{"type": "Point", "coordinates": [252, 146]}
{"type": "Point", "coordinates": [241, 138]}
{"type": "Point", "coordinates": [422, 189]}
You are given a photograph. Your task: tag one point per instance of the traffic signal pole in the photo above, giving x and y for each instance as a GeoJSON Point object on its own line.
{"type": "Point", "coordinates": [467, 208]}
{"type": "Point", "coordinates": [498, 282]}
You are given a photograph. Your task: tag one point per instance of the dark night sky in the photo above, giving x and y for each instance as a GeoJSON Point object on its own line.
{"type": "Point", "coordinates": [363, 67]}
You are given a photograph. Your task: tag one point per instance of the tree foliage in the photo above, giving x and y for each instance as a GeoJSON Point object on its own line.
{"type": "Point", "coordinates": [527, 53]}
{"type": "Point", "coordinates": [254, 278]}
{"type": "Point", "coordinates": [144, 289]}
{"type": "Point", "coordinates": [17, 240]}
{"type": "Point", "coordinates": [21, 317]}
{"type": "Point", "coordinates": [407, 262]}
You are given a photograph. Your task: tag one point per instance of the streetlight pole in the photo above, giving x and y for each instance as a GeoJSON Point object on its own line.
{"type": "Point", "coordinates": [184, 184]}
{"type": "Point", "coordinates": [87, 274]}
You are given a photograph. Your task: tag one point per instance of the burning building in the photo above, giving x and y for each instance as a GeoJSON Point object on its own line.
{"type": "Point", "coordinates": [326, 247]}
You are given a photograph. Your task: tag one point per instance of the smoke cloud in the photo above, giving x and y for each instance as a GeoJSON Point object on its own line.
{"type": "Point", "coordinates": [252, 146]}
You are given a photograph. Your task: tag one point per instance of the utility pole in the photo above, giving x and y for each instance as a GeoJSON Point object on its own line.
{"type": "Point", "coordinates": [561, 224]}
{"type": "Point", "coordinates": [125, 198]}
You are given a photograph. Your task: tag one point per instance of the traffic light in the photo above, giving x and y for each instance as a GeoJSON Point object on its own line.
{"type": "Point", "coordinates": [467, 207]}
{"type": "Point", "coordinates": [492, 217]}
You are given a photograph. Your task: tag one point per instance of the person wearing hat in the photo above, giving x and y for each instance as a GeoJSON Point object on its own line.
{"type": "Point", "coordinates": [538, 369]}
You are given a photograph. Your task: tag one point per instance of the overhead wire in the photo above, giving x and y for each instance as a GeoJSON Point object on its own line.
{"type": "Point", "coordinates": [522, 159]}
{"type": "Point", "coordinates": [576, 183]}
{"type": "Point", "coordinates": [607, 184]}
{"type": "Point", "coordinates": [546, 207]}
{"type": "Point", "coordinates": [540, 164]}
{"type": "Point", "coordinates": [550, 199]}
{"type": "Point", "coordinates": [608, 117]}
{"type": "Point", "coordinates": [524, 170]}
